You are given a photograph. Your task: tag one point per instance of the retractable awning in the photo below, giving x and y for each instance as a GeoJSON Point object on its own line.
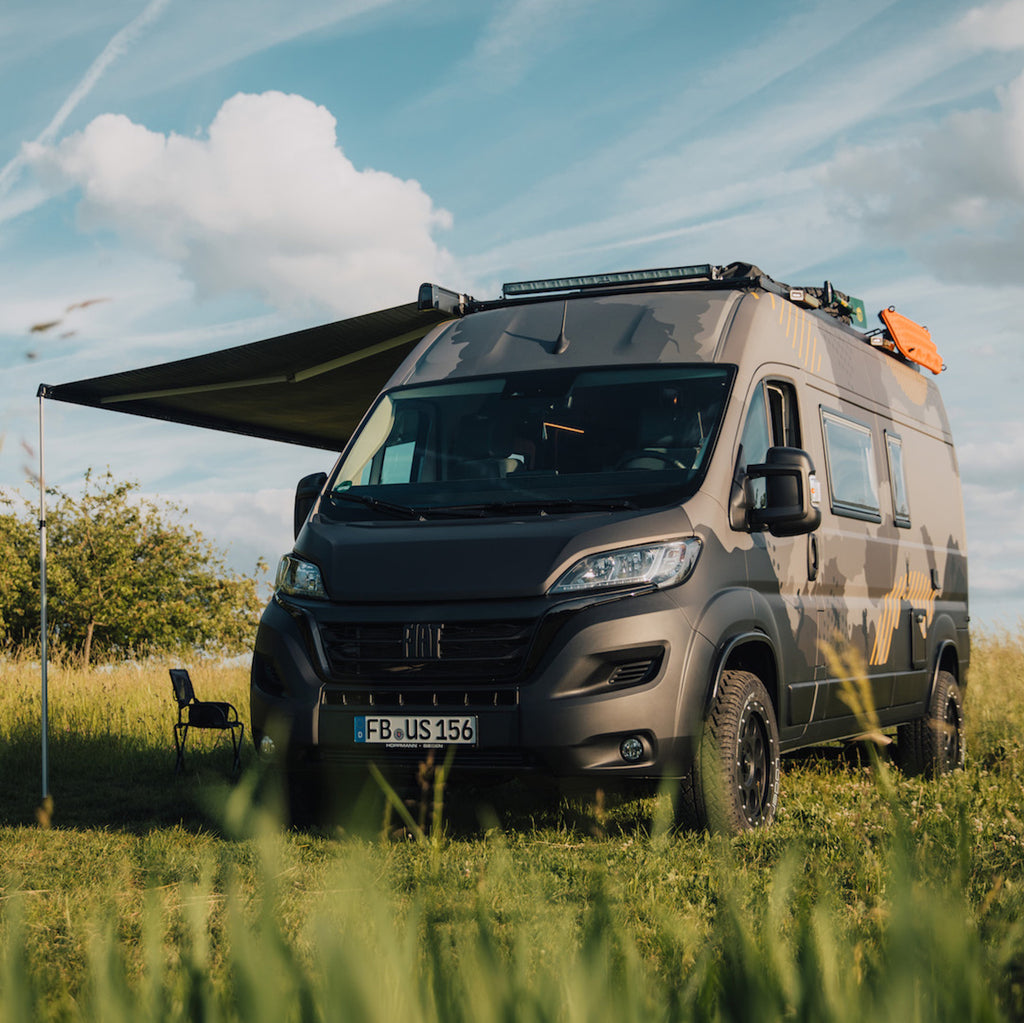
{"type": "Point", "coordinates": [310, 387]}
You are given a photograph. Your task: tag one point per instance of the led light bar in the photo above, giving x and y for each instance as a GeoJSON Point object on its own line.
{"type": "Point", "coordinates": [675, 273]}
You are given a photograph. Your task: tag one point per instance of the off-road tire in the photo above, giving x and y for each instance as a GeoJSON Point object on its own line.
{"type": "Point", "coordinates": [935, 744]}
{"type": "Point", "coordinates": [688, 812]}
{"type": "Point", "coordinates": [733, 785]}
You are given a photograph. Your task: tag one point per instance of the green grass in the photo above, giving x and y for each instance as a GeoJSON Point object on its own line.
{"type": "Point", "coordinates": [155, 897]}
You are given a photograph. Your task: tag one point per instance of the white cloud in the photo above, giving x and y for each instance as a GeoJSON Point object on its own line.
{"type": "Point", "coordinates": [995, 542]}
{"type": "Point", "coordinates": [268, 202]}
{"type": "Point", "coordinates": [998, 26]}
{"type": "Point", "coordinates": [994, 459]}
{"type": "Point", "coordinates": [247, 526]}
{"type": "Point", "coordinates": [951, 194]}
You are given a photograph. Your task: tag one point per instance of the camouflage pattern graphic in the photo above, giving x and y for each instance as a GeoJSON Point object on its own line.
{"type": "Point", "coordinates": [860, 579]}
{"type": "Point", "coordinates": [698, 393]}
{"type": "Point", "coordinates": [624, 330]}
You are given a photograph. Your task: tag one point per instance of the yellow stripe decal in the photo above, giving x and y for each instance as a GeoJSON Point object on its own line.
{"type": "Point", "coordinates": [916, 589]}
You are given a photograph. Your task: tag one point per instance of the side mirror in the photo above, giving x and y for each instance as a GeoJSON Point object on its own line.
{"type": "Point", "coordinates": [793, 493]}
{"type": "Point", "coordinates": [306, 494]}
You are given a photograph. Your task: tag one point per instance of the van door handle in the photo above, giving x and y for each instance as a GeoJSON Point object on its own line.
{"type": "Point", "coordinates": [812, 557]}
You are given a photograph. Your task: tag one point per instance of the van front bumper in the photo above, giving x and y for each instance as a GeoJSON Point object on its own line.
{"type": "Point", "coordinates": [545, 686]}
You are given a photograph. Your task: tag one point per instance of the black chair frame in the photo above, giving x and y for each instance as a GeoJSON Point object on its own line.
{"type": "Point", "coordinates": [210, 714]}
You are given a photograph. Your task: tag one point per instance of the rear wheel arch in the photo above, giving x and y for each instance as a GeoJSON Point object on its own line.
{"type": "Point", "coordinates": [943, 640]}
{"type": "Point", "coordinates": [753, 652]}
{"type": "Point", "coordinates": [948, 659]}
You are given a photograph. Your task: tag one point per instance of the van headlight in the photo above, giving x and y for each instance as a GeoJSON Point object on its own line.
{"type": "Point", "coordinates": [660, 564]}
{"type": "Point", "coordinates": [299, 578]}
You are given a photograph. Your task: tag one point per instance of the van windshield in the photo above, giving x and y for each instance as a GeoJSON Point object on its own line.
{"type": "Point", "coordinates": [540, 441]}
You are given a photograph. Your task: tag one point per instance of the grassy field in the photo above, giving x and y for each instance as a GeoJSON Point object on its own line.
{"type": "Point", "coordinates": [162, 897]}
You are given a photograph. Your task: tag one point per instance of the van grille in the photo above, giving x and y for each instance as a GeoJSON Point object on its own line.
{"type": "Point", "coordinates": [396, 652]}
{"type": "Point", "coordinates": [392, 700]}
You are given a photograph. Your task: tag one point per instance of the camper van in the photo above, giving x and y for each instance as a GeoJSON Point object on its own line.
{"type": "Point", "coordinates": [651, 525]}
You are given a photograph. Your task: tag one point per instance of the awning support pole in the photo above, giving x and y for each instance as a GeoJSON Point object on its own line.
{"type": "Point", "coordinates": [43, 652]}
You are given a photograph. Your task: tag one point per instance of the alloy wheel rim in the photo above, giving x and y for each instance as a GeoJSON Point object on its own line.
{"type": "Point", "coordinates": [752, 765]}
{"type": "Point", "coordinates": [951, 735]}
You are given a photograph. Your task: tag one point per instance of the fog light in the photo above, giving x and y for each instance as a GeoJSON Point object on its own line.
{"type": "Point", "coordinates": [267, 748]}
{"type": "Point", "coordinates": [631, 750]}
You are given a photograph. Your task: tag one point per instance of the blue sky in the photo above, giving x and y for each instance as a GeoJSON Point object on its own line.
{"type": "Point", "coordinates": [222, 171]}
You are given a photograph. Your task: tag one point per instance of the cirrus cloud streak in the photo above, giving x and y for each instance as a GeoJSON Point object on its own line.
{"type": "Point", "coordinates": [951, 192]}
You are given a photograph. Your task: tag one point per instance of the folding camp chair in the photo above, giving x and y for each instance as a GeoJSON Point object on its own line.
{"type": "Point", "coordinates": [193, 713]}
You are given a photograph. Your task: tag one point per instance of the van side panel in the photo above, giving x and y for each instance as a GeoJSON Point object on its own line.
{"type": "Point", "coordinates": [879, 586]}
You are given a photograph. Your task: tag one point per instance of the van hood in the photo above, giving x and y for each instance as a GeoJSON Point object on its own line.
{"type": "Point", "coordinates": [479, 559]}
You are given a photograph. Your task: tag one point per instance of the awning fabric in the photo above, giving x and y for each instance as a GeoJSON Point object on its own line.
{"type": "Point", "coordinates": [310, 387]}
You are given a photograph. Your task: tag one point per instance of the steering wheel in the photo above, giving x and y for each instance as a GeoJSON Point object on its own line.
{"type": "Point", "coordinates": [660, 456]}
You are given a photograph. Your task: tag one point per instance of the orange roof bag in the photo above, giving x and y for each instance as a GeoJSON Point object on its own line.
{"type": "Point", "coordinates": [913, 341]}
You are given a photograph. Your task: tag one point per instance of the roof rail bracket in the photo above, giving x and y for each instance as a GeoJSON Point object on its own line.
{"type": "Point", "coordinates": [431, 296]}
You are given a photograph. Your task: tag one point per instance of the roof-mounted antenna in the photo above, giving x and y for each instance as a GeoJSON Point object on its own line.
{"type": "Point", "coordinates": [563, 342]}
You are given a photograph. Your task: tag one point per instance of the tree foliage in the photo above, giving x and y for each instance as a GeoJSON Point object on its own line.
{"type": "Point", "coordinates": [125, 577]}
{"type": "Point", "coordinates": [19, 577]}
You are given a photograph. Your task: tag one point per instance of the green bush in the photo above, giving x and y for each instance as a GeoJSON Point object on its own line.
{"type": "Point", "coordinates": [125, 577]}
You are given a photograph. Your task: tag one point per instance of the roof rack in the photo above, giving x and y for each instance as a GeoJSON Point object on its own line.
{"type": "Point", "coordinates": [901, 336]}
{"type": "Point", "coordinates": [826, 298]}
{"type": "Point", "coordinates": [831, 300]}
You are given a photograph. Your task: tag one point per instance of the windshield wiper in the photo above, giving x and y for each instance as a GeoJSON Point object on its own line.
{"type": "Point", "coordinates": [404, 511]}
{"type": "Point", "coordinates": [540, 506]}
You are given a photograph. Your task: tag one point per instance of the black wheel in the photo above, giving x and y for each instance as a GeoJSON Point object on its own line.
{"type": "Point", "coordinates": [935, 744]}
{"type": "Point", "coordinates": [734, 783]}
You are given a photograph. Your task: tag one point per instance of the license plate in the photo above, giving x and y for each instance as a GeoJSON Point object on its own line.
{"type": "Point", "coordinates": [416, 730]}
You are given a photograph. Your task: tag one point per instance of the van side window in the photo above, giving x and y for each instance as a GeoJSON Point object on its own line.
{"type": "Point", "coordinates": [852, 480]}
{"type": "Point", "coordinates": [772, 421]}
{"type": "Point", "coordinates": [782, 416]}
{"type": "Point", "coordinates": [900, 504]}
